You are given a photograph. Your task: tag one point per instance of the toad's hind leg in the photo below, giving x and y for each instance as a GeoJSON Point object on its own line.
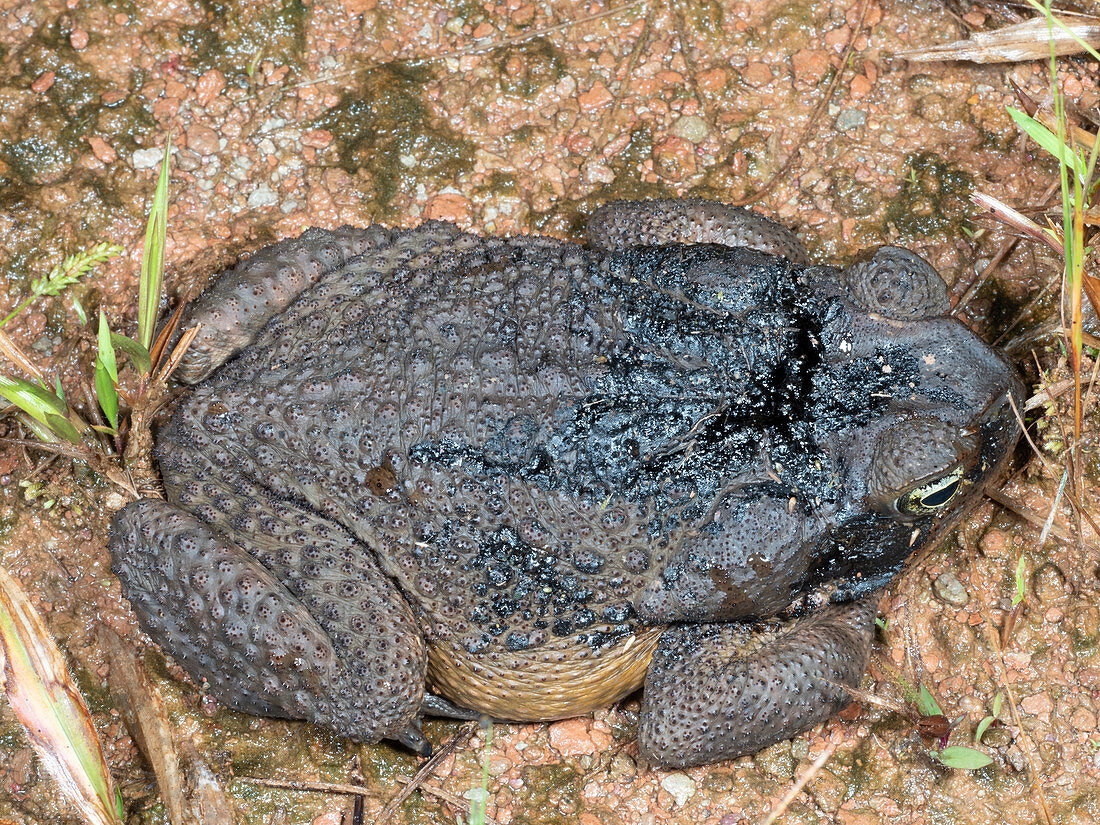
{"type": "Point", "coordinates": [622, 224]}
{"type": "Point", "coordinates": [719, 691]}
{"type": "Point", "coordinates": [352, 660]}
{"type": "Point", "coordinates": [233, 309]}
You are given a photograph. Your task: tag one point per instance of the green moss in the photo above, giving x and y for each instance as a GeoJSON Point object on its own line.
{"type": "Point", "coordinates": [8, 520]}
{"type": "Point", "coordinates": [236, 35]}
{"type": "Point", "coordinates": [12, 736]}
{"type": "Point", "coordinates": [501, 183]}
{"type": "Point", "coordinates": [934, 197]}
{"type": "Point", "coordinates": [95, 693]}
{"type": "Point", "coordinates": [706, 17]}
{"type": "Point", "coordinates": [1084, 644]}
{"type": "Point", "coordinates": [37, 160]}
{"type": "Point", "coordinates": [851, 197]}
{"type": "Point", "coordinates": [384, 127]}
{"type": "Point", "coordinates": [1000, 307]}
{"type": "Point", "coordinates": [121, 124]}
{"type": "Point", "coordinates": [791, 22]}
{"type": "Point", "coordinates": [554, 791]}
{"type": "Point", "coordinates": [527, 68]}
{"type": "Point", "coordinates": [722, 183]}
{"type": "Point", "coordinates": [51, 133]}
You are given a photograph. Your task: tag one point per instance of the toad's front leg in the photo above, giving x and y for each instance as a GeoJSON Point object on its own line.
{"type": "Point", "coordinates": [718, 691]}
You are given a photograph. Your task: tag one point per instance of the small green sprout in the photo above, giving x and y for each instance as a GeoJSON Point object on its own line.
{"type": "Point", "coordinates": [254, 63]}
{"type": "Point", "coordinates": [106, 374]}
{"type": "Point", "coordinates": [1021, 582]}
{"type": "Point", "coordinates": [927, 704]}
{"type": "Point", "coordinates": [983, 725]}
{"type": "Point", "coordinates": [960, 756]}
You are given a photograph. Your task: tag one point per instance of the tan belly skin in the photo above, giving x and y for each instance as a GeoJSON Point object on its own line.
{"type": "Point", "coordinates": [541, 685]}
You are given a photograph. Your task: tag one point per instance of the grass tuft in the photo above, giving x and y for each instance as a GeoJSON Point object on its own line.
{"type": "Point", "coordinates": [46, 412]}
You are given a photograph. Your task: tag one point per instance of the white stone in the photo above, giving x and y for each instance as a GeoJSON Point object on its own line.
{"type": "Point", "coordinates": [262, 195]}
{"type": "Point", "coordinates": [147, 158]}
{"type": "Point", "coordinates": [680, 787]}
{"type": "Point", "coordinates": [691, 128]}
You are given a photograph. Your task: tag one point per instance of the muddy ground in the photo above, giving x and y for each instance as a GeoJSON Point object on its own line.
{"type": "Point", "coordinates": [521, 117]}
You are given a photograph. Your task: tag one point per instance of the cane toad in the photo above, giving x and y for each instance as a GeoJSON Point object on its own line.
{"type": "Point", "coordinates": [425, 471]}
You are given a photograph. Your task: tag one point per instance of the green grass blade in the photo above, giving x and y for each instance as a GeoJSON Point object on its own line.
{"type": "Point", "coordinates": [1021, 581]}
{"type": "Point", "coordinates": [41, 405]}
{"type": "Point", "coordinates": [152, 258]}
{"type": "Point", "coordinates": [106, 373]}
{"type": "Point", "coordinates": [480, 803]}
{"type": "Point", "coordinates": [139, 356]}
{"type": "Point", "coordinates": [42, 431]}
{"type": "Point", "coordinates": [106, 349]}
{"type": "Point", "coordinates": [63, 427]}
{"type": "Point", "coordinates": [983, 726]}
{"type": "Point", "coordinates": [106, 394]}
{"type": "Point", "coordinates": [22, 306]}
{"type": "Point", "coordinates": [32, 399]}
{"type": "Point", "coordinates": [1048, 141]}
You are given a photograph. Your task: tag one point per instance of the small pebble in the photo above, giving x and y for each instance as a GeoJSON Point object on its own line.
{"type": "Point", "coordinates": [850, 119]}
{"type": "Point", "coordinates": [691, 127]}
{"type": "Point", "coordinates": [43, 82]}
{"type": "Point", "coordinates": [209, 86]}
{"type": "Point", "coordinates": [147, 158]}
{"type": "Point", "coordinates": [1049, 584]}
{"type": "Point", "coordinates": [570, 737]}
{"type": "Point", "coordinates": [202, 139]}
{"type": "Point", "coordinates": [262, 195]}
{"type": "Point", "coordinates": [1015, 757]}
{"type": "Point", "coordinates": [102, 150]}
{"type": "Point", "coordinates": [622, 767]}
{"type": "Point", "coordinates": [478, 795]}
{"type": "Point", "coordinates": [950, 590]}
{"type": "Point", "coordinates": [680, 787]}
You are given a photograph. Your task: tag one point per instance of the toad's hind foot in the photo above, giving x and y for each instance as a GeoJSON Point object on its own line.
{"type": "Point", "coordinates": [715, 692]}
{"type": "Point", "coordinates": [229, 621]}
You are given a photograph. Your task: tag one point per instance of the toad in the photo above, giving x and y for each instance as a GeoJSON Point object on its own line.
{"type": "Point", "coordinates": [428, 472]}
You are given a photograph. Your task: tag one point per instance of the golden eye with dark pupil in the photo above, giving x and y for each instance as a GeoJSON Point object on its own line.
{"type": "Point", "coordinates": [932, 495]}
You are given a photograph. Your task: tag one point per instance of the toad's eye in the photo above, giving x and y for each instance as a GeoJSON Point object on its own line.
{"type": "Point", "coordinates": [932, 495]}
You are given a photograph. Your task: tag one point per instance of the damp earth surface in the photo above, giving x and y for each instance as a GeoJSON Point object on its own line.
{"type": "Point", "coordinates": [519, 117]}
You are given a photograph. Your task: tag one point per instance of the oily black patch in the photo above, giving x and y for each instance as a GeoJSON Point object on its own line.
{"type": "Point", "coordinates": [522, 582]}
{"type": "Point", "coordinates": [690, 389]}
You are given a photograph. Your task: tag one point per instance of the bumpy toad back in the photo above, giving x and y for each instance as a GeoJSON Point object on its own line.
{"type": "Point", "coordinates": [504, 466]}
